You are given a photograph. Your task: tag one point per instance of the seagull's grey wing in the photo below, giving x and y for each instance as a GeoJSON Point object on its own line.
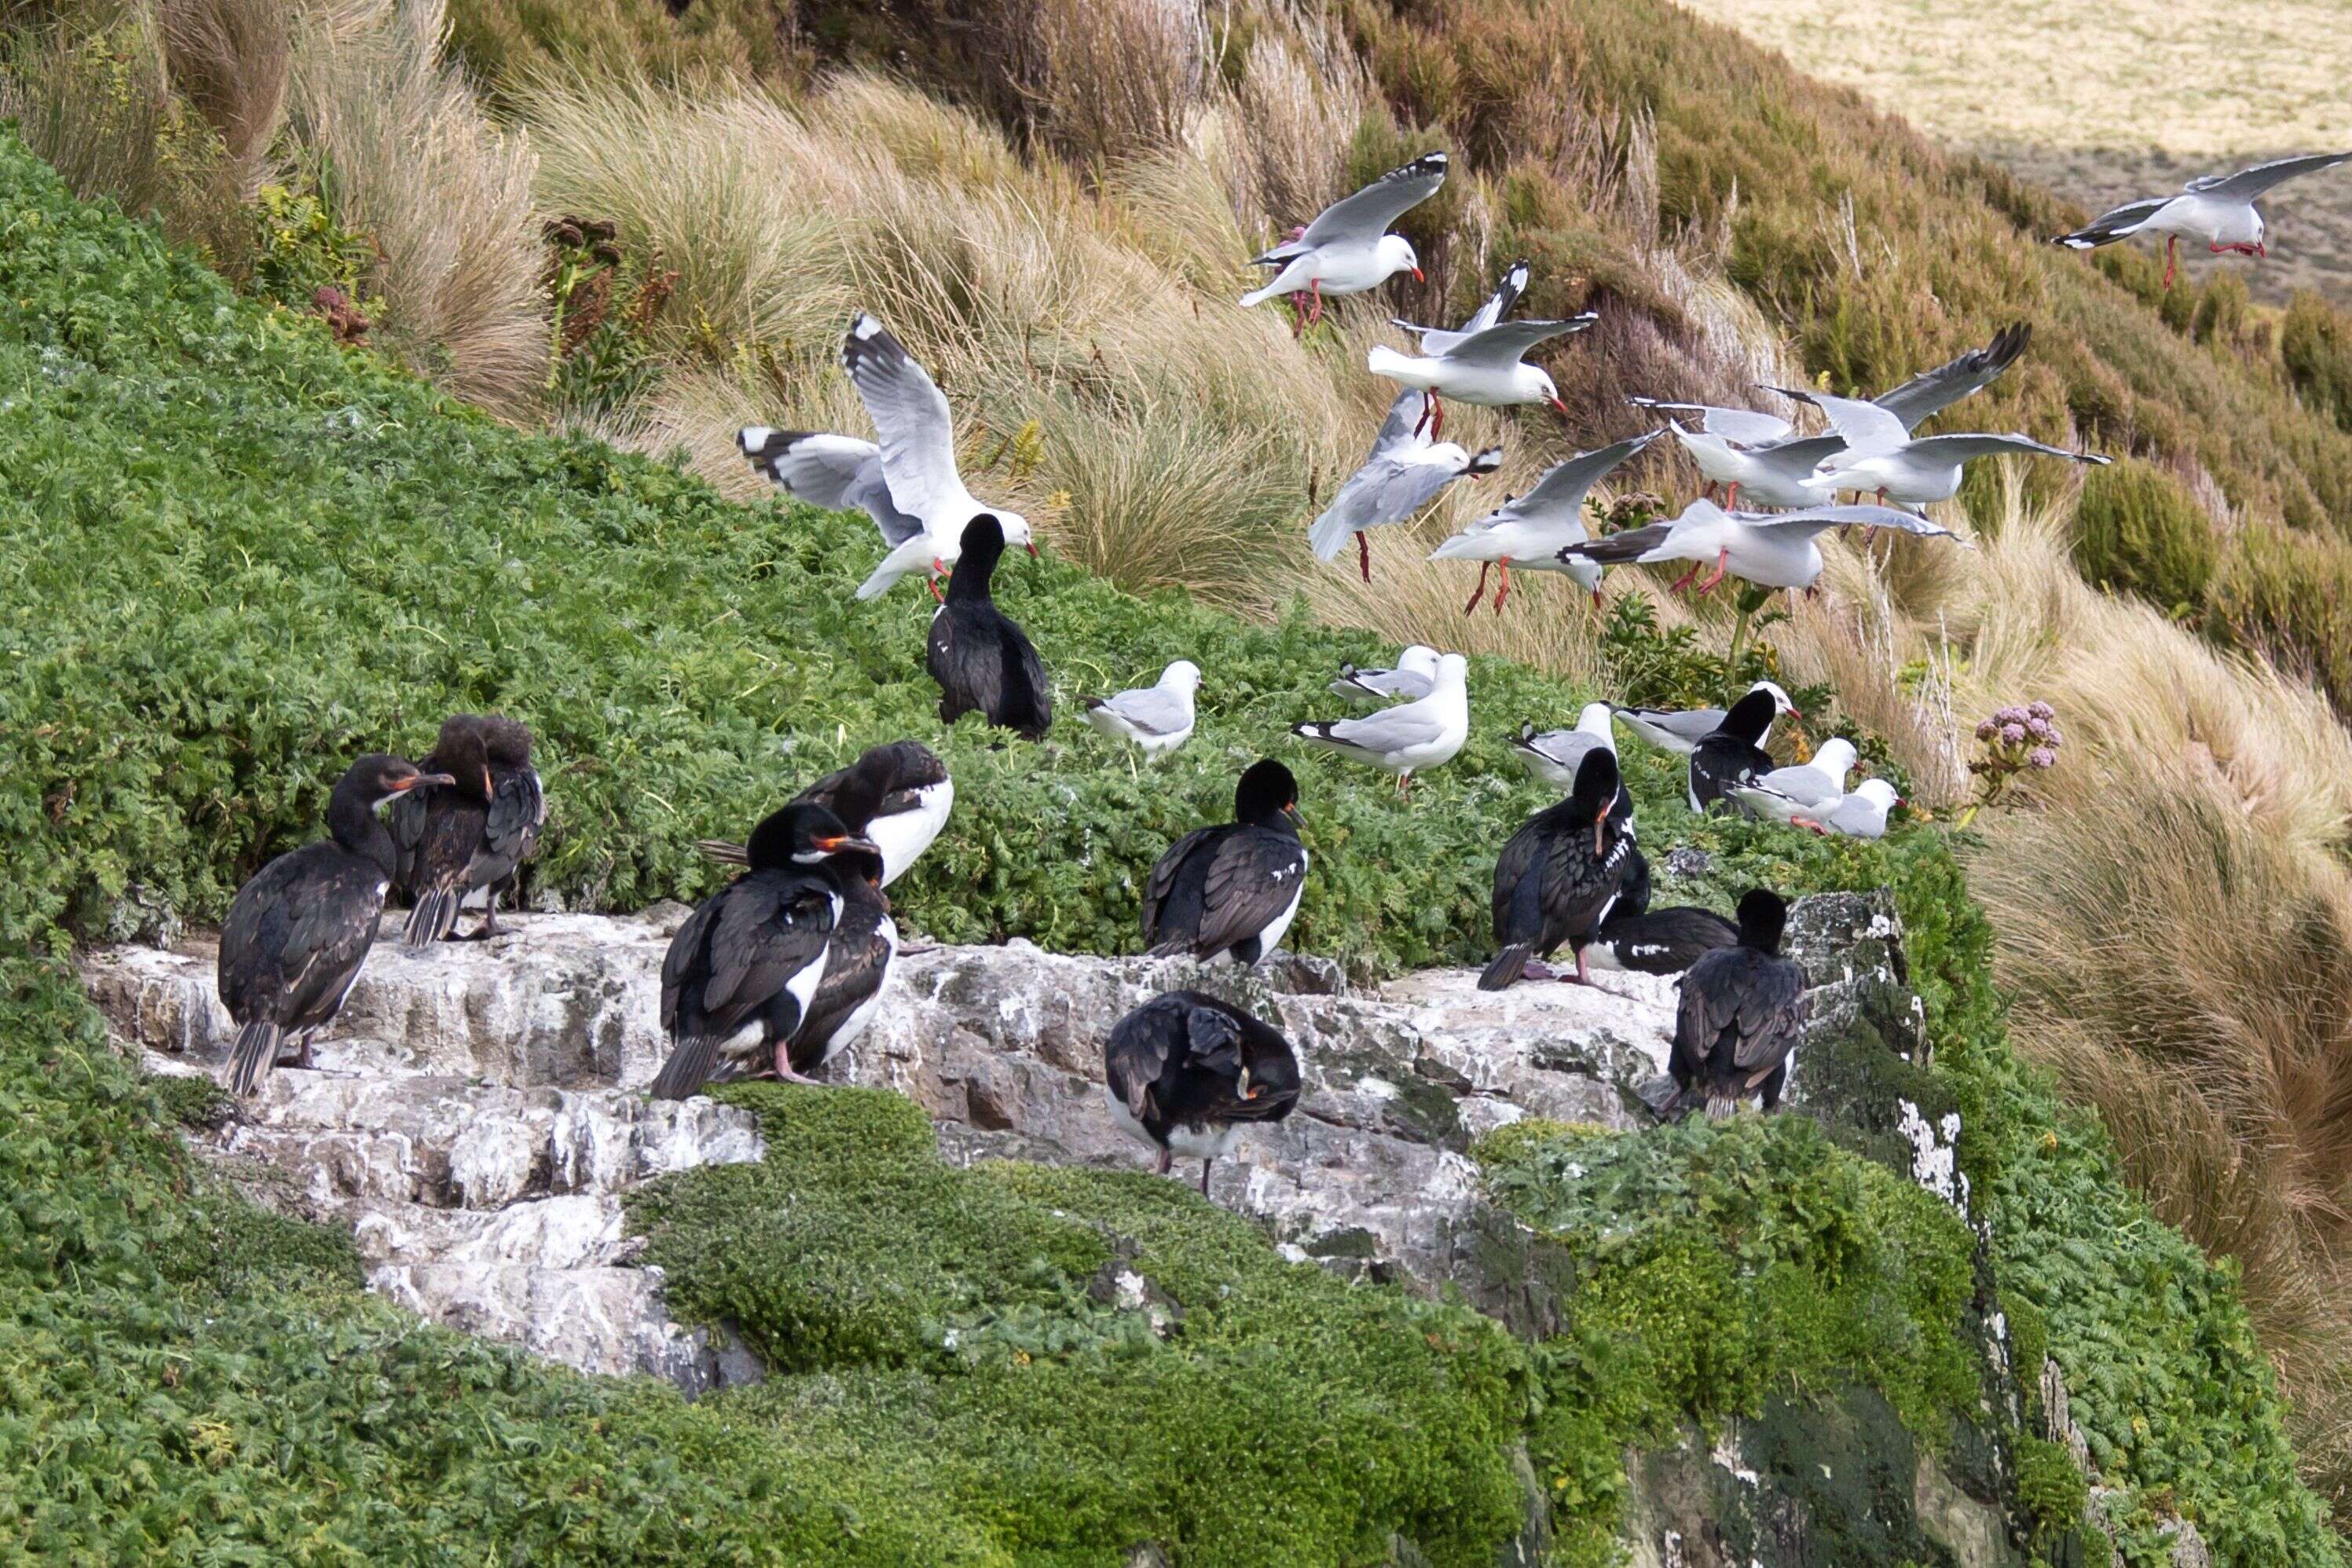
{"type": "Point", "coordinates": [1386, 489]}
{"type": "Point", "coordinates": [1402, 429]}
{"type": "Point", "coordinates": [1366, 216]}
{"type": "Point", "coordinates": [1562, 486]}
{"type": "Point", "coordinates": [1962, 448]}
{"type": "Point", "coordinates": [839, 473]}
{"type": "Point", "coordinates": [910, 413]}
{"type": "Point", "coordinates": [2113, 224]}
{"type": "Point", "coordinates": [1814, 520]}
{"type": "Point", "coordinates": [2247, 183]}
{"type": "Point", "coordinates": [1862, 424]}
{"type": "Point", "coordinates": [1616, 549]}
{"type": "Point", "coordinates": [1746, 426]}
{"type": "Point", "coordinates": [1390, 728]}
{"type": "Point", "coordinates": [1799, 457]}
{"type": "Point", "coordinates": [1498, 306]}
{"type": "Point", "coordinates": [1692, 725]}
{"type": "Point", "coordinates": [1434, 341]}
{"type": "Point", "coordinates": [1508, 341]}
{"type": "Point", "coordinates": [1930, 392]}
{"type": "Point", "coordinates": [1152, 710]}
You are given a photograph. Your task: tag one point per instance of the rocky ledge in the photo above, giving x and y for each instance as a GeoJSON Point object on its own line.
{"type": "Point", "coordinates": [478, 1111]}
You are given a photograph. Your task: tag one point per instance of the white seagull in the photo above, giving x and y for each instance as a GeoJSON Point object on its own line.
{"type": "Point", "coordinates": [1155, 719]}
{"type": "Point", "coordinates": [1423, 734]}
{"type": "Point", "coordinates": [1745, 447]}
{"type": "Point", "coordinates": [1881, 455]}
{"type": "Point", "coordinates": [1483, 361]}
{"type": "Point", "coordinates": [1680, 731]}
{"type": "Point", "coordinates": [1814, 782]}
{"type": "Point", "coordinates": [1415, 673]}
{"type": "Point", "coordinates": [1404, 472]}
{"type": "Point", "coordinates": [2216, 208]}
{"type": "Point", "coordinates": [1556, 754]}
{"type": "Point", "coordinates": [1861, 815]}
{"type": "Point", "coordinates": [1770, 549]}
{"type": "Point", "coordinates": [917, 456]}
{"type": "Point", "coordinates": [1347, 248]}
{"type": "Point", "coordinates": [1528, 531]}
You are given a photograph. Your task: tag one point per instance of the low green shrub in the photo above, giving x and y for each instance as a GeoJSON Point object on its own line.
{"type": "Point", "coordinates": [2288, 596]}
{"type": "Point", "coordinates": [2138, 531]}
{"type": "Point", "coordinates": [2315, 346]}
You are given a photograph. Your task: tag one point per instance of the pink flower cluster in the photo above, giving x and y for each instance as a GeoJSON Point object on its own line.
{"type": "Point", "coordinates": [2016, 740]}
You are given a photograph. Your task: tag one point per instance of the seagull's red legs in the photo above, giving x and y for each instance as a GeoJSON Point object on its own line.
{"type": "Point", "coordinates": [1503, 592]}
{"type": "Point", "coordinates": [1364, 557]}
{"type": "Point", "coordinates": [1480, 592]}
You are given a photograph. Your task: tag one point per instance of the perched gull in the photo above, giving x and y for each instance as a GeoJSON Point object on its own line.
{"type": "Point", "coordinates": [1423, 734]}
{"type": "Point", "coordinates": [1739, 448]}
{"type": "Point", "coordinates": [2216, 208]}
{"type": "Point", "coordinates": [1816, 782]}
{"type": "Point", "coordinates": [1772, 550]}
{"type": "Point", "coordinates": [1556, 754]}
{"type": "Point", "coordinates": [918, 460]}
{"type": "Point", "coordinates": [1155, 719]}
{"type": "Point", "coordinates": [1347, 248]}
{"type": "Point", "coordinates": [1439, 341]}
{"type": "Point", "coordinates": [1528, 531]}
{"type": "Point", "coordinates": [1861, 815]}
{"type": "Point", "coordinates": [839, 473]}
{"type": "Point", "coordinates": [1404, 472]}
{"type": "Point", "coordinates": [1680, 731]}
{"type": "Point", "coordinates": [1415, 672]}
{"type": "Point", "coordinates": [1881, 455]}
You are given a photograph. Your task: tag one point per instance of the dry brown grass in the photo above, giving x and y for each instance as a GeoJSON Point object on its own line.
{"type": "Point", "coordinates": [232, 60]}
{"type": "Point", "coordinates": [416, 165]}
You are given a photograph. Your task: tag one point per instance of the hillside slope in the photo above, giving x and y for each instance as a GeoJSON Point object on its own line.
{"type": "Point", "coordinates": [237, 554]}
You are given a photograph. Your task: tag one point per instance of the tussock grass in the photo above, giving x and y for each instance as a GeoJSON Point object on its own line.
{"type": "Point", "coordinates": [232, 60]}
{"type": "Point", "coordinates": [446, 197]}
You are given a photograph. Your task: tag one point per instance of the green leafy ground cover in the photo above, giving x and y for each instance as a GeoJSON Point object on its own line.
{"type": "Point", "coordinates": [230, 557]}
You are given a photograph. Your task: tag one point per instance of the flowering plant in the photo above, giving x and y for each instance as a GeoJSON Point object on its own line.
{"type": "Point", "coordinates": [2014, 742]}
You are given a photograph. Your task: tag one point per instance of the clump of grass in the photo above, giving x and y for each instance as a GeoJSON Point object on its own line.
{"type": "Point", "coordinates": [412, 162]}
{"type": "Point", "coordinates": [232, 59]}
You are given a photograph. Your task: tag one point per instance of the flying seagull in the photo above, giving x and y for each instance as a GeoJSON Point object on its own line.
{"type": "Point", "coordinates": [1746, 448]}
{"type": "Point", "coordinates": [1347, 248]}
{"type": "Point", "coordinates": [1528, 531]}
{"type": "Point", "coordinates": [2216, 208]}
{"type": "Point", "coordinates": [1404, 472]}
{"type": "Point", "coordinates": [1439, 341]}
{"type": "Point", "coordinates": [839, 473]}
{"type": "Point", "coordinates": [1771, 549]}
{"type": "Point", "coordinates": [918, 460]}
{"type": "Point", "coordinates": [1880, 454]}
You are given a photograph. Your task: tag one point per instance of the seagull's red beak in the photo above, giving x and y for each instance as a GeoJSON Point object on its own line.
{"type": "Point", "coordinates": [1032, 548]}
{"type": "Point", "coordinates": [1419, 276]}
{"type": "Point", "coordinates": [1555, 402]}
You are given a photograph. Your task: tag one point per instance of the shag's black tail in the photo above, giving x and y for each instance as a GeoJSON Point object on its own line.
{"type": "Point", "coordinates": [257, 1053]}
{"type": "Point", "coordinates": [434, 917]}
{"type": "Point", "coordinates": [1508, 965]}
{"type": "Point", "coordinates": [689, 1068]}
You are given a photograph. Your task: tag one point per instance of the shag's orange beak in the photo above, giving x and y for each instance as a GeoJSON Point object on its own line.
{"type": "Point", "coordinates": [1291, 811]}
{"type": "Point", "coordinates": [1599, 823]}
{"type": "Point", "coordinates": [848, 841]}
{"type": "Point", "coordinates": [409, 784]}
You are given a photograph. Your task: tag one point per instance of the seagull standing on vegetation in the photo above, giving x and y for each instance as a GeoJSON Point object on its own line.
{"type": "Point", "coordinates": [1424, 733]}
{"type": "Point", "coordinates": [1186, 1072]}
{"type": "Point", "coordinates": [1415, 672]}
{"type": "Point", "coordinates": [1772, 550]}
{"type": "Point", "coordinates": [1559, 877]}
{"type": "Point", "coordinates": [1347, 248]}
{"type": "Point", "coordinates": [1154, 719]}
{"type": "Point", "coordinates": [299, 928]}
{"type": "Point", "coordinates": [918, 460]}
{"type": "Point", "coordinates": [1227, 894]}
{"type": "Point", "coordinates": [1861, 815]}
{"type": "Point", "coordinates": [1880, 454]}
{"type": "Point", "coordinates": [1741, 1011]}
{"type": "Point", "coordinates": [984, 663]}
{"type": "Point", "coordinates": [1528, 532]}
{"type": "Point", "coordinates": [2216, 208]}
{"type": "Point", "coordinates": [1808, 785]}
{"type": "Point", "coordinates": [743, 971]}
{"type": "Point", "coordinates": [1404, 472]}
{"type": "Point", "coordinates": [1739, 448]}
{"type": "Point", "coordinates": [1680, 731]}
{"type": "Point", "coordinates": [1556, 754]}
{"type": "Point", "coordinates": [913, 794]}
